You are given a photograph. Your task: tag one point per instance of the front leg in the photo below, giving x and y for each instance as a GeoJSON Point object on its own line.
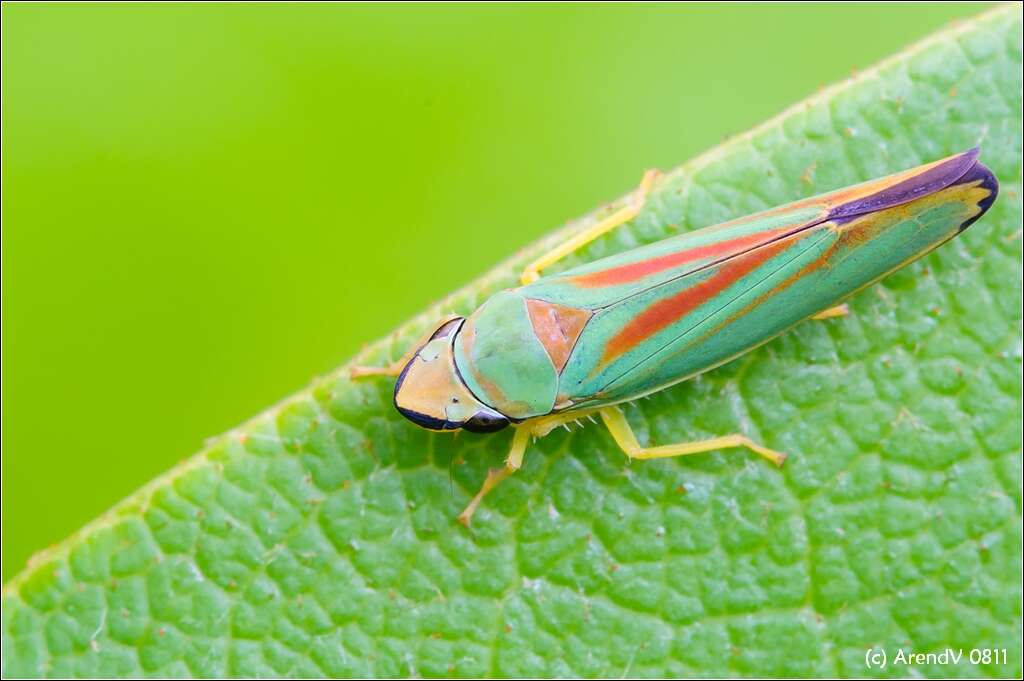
{"type": "Point", "coordinates": [495, 476]}
{"type": "Point", "coordinates": [525, 432]}
{"type": "Point", "coordinates": [395, 368]}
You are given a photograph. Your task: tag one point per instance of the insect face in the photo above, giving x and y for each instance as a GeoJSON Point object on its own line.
{"type": "Point", "coordinates": [430, 393]}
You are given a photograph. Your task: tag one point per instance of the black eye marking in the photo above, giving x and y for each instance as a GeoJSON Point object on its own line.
{"type": "Point", "coordinates": [485, 421]}
{"type": "Point", "coordinates": [447, 328]}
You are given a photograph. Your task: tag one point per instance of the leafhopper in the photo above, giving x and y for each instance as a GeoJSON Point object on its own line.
{"type": "Point", "coordinates": [581, 342]}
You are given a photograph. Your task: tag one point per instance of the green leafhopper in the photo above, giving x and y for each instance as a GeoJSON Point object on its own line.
{"type": "Point", "coordinates": [580, 342]}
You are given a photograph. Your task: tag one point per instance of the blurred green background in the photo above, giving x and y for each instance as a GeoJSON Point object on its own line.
{"type": "Point", "coordinates": [204, 206]}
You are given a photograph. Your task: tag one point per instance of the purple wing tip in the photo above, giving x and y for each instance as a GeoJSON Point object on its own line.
{"type": "Point", "coordinates": [961, 168]}
{"type": "Point", "coordinates": [988, 181]}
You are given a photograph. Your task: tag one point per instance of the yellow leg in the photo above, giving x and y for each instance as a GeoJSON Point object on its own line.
{"type": "Point", "coordinates": [392, 369]}
{"type": "Point", "coordinates": [496, 475]}
{"type": "Point", "coordinates": [620, 429]}
{"type": "Point", "coordinates": [395, 368]}
{"type": "Point", "coordinates": [494, 478]}
{"type": "Point", "coordinates": [524, 433]}
{"type": "Point", "coordinates": [837, 311]}
{"type": "Point", "coordinates": [625, 214]}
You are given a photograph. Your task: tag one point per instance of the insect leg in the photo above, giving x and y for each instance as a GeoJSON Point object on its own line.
{"type": "Point", "coordinates": [494, 478]}
{"type": "Point", "coordinates": [837, 311]}
{"type": "Point", "coordinates": [623, 215]}
{"type": "Point", "coordinates": [623, 434]}
{"type": "Point", "coordinates": [537, 427]}
{"type": "Point", "coordinates": [496, 475]}
{"type": "Point", "coordinates": [392, 369]}
{"type": "Point", "coordinates": [395, 368]}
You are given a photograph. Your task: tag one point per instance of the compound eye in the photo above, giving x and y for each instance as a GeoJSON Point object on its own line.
{"type": "Point", "coordinates": [448, 328]}
{"type": "Point", "coordinates": [485, 421]}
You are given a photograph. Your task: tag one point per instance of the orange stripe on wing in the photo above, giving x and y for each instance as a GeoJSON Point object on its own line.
{"type": "Point", "coordinates": [624, 274]}
{"type": "Point", "coordinates": [666, 312]}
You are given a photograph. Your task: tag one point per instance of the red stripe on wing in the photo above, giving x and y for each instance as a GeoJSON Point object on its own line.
{"type": "Point", "coordinates": [666, 312]}
{"type": "Point", "coordinates": [624, 274]}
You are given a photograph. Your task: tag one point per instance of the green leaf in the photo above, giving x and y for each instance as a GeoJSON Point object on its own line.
{"type": "Point", "coordinates": [319, 539]}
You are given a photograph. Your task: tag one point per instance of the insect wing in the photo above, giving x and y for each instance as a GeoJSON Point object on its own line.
{"type": "Point", "coordinates": [679, 307]}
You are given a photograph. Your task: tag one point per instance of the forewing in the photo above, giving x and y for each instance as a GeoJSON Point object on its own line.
{"type": "Point", "coordinates": [677, 311]}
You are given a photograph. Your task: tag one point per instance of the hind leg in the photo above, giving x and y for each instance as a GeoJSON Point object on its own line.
{"type": "Point", "coordinates": [624, 437]}
{"type": "Point", "coordinates": [619, 217]}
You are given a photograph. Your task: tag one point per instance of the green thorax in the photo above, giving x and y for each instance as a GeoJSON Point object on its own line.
{"type": "Point", "coordinates": [501, 360]}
